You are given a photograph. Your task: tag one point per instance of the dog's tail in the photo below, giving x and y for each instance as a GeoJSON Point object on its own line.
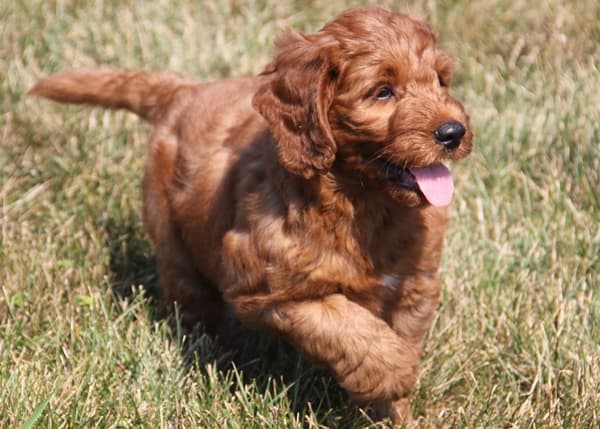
{"type": "Point", "coordinates": [148, 94]}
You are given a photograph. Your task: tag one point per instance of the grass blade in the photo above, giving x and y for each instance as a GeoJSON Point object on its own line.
{"type": "Point", "coordinates": [37, 413]}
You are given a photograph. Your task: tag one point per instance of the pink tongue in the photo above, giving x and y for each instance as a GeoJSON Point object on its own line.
{"type": "Point", "coordinates": [435, 182]}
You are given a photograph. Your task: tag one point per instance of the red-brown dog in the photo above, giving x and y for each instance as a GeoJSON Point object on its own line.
{"type": "Point", "coordinates": [309, 199]}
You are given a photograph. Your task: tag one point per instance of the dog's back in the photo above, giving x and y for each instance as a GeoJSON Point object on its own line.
{"type": "Point", "coordinates": [204, 135]}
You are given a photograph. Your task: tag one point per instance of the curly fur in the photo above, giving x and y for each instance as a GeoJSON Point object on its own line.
{"type": "Point", "coordinates": [266, 194]}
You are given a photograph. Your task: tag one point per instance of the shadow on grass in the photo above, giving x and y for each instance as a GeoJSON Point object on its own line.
{"type": "Point", "coordinates": [259, 357]}
{"type": "Point", "coordinates": [132, 261]}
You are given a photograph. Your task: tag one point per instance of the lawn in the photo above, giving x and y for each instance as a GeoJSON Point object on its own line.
{"type": "Point", "coordinates": [516, 340]}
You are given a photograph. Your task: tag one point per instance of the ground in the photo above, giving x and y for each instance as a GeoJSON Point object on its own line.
{"type": "Point", "coordinates": [516, 340]}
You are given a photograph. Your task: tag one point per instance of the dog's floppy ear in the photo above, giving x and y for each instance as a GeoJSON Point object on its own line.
{"type": "Point", "coordinates": [295, 98]}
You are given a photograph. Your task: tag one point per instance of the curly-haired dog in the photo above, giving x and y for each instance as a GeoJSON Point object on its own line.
{"type": "Point", "coordinates": [309, 199]}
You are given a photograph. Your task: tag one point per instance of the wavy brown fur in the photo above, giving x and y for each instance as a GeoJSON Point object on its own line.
{"type": "Point", "coordinates": [264, 194]}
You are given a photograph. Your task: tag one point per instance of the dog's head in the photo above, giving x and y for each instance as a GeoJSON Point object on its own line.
{"type": "Point", "coordinates": [366, 99]}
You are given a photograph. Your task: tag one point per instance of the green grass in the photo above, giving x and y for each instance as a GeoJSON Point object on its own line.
{"type": "Point", "coordinates": [516, 340]}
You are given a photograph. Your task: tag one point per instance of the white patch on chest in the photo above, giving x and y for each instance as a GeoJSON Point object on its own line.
{"type": "Point", "coordinates": [389, 281]}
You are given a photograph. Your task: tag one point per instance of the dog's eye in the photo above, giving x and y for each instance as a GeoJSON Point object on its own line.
{"type": "Point", "coordinates": [444, 80]}
{"type": "Point", "coordinates": [384, 93]}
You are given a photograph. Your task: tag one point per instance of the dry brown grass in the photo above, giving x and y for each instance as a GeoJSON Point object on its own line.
{"type": "Point", "coordinates": [516, 342]}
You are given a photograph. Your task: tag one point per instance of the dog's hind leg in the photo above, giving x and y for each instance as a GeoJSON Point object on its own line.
{"type": "Point", "coordinates": [180, 282]}
{"type": "Point", "coordinates": [181, 285]}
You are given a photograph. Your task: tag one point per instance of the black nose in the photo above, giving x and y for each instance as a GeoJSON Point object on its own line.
{"type": "Point", "coordinates": [449, 134]}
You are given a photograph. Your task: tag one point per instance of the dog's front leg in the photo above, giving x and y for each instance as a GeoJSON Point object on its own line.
{"type": "Point", "coordinates": [367, 357]}
{"type": "Point", "coordinates": [410, 315]}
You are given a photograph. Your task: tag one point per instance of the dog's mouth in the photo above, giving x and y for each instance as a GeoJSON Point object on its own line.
{"type": "Point", "coordinates": [433, 182]}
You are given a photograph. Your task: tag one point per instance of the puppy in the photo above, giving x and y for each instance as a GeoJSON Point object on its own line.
{"type": "Point", "coordinates": [310, 199]}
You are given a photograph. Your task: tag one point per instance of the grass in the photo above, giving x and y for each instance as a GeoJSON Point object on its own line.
{"type": "Point", "coordinates": [516, 340]}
